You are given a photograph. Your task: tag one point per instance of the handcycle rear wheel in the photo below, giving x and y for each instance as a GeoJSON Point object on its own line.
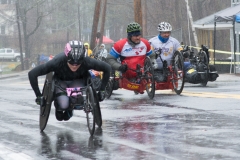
{"type": "Point", "coordinates": [149, 76]}
{"type": "Point", "coordinates": [90, 110]}
{"type": "Point", "coordinates": [48, 97]}
{"type": "Point", "coordinates": [178, 72]}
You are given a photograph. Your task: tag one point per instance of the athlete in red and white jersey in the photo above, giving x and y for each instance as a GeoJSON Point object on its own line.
{"type": "Point", "coordinates": [131, 51]}
{"type": "Point", "coordinates": [164, 43]}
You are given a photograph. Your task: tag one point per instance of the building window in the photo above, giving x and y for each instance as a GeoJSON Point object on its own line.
{"type": "Point", "coordinates": [2, 29]}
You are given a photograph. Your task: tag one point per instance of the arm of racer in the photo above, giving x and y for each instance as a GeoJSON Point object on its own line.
{"type": "Point", "coordinates": [112, 60]}
{"type": "Point", "coordinates": [39, 71]}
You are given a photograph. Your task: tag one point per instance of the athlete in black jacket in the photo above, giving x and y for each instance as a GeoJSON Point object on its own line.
{"type": "Point", "coordinates": [71, 70]}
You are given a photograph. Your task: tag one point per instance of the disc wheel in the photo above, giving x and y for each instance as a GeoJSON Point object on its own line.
{"type": "Point", "coordinates": [204, 59]}
{"type": "Point", "coordinates": [149, 76]}
{"type": "Point", "coordinates": [177, 73]}
{"type": "Point", "coordinates": [109, 89]}
{"type": "Point", "coordinates": [89, 109]}
{"type": "Point", "coordinates": [47, 98]}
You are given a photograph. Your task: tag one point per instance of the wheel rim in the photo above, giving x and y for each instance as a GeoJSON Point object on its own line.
{"type": "Point", "coordinates": [109, 89]}
{"type": "Point", "coordinates": [150, 86]}
{"type": "Point", "coordinates": [45, 110]}
{"type": "Point", "coordinates": [178, 73]}
{"type": "Point", "coordinates": [90, 111]}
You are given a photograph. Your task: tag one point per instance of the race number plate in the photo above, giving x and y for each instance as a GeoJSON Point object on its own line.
{"type": "Point", "coordinates": [73, 91]}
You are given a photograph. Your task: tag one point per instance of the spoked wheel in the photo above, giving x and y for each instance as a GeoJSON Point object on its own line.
{"type": "Point", "coordinates": [149, 76]}
{"type": "Point", "coordinates": [109, 89]}
{"type": "Point", "coordinates": [47, 98]}
{"type": "Point", "coordinates": [90, 111]}
{"type": "Point", "coordinates": [204, 60]}
{"type": "Point", "coordinates": [178, 72]}
{"type": "Point", "coordinates": [97, 110]}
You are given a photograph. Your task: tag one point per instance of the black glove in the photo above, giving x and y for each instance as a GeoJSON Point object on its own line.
{"type": "Point", "coordinates": [101, 96]}
{"type": "Point", "coordinates": [157, 53]}
{"type": "Point", "coordinates": [40, 100]}
{"type": "Point", "coordinates": [123, 68]}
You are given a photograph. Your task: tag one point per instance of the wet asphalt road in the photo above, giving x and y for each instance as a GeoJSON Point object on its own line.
{"type": "Point", "coordinates": [202, 123]}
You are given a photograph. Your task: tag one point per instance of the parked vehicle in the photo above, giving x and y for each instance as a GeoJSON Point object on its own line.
{"type": "Point", "coordinates": [10, 54]}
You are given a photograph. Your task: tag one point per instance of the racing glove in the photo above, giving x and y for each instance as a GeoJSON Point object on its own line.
{"type": "Point", "coordinates": [123, 68]}
{"type": "Point", "coordinates": [101, 96]}
{"type": "Point", "coordinates": [40, 100]}
{"type": "Point", "coordinates": [154, 63]}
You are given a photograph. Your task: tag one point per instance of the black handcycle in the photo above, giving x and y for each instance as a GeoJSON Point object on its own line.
{"type": "Point", "coordinates": [200, 61]}
{"type": "Point", "coordinates": [85, 98]}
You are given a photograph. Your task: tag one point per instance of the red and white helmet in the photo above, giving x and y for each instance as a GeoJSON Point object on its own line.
{"type": "Point", "coordinates": [164, 27]}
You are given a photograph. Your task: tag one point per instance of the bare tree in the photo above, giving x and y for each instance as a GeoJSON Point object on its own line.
{"type": "Point", "coordinates": [29, 10]}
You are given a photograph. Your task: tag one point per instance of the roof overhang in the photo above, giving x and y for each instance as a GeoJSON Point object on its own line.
{"type": "Point", "coordinates": [211, 26]}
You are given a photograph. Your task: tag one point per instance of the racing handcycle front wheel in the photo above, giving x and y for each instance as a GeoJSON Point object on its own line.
{"type": "Point", "coordinates": [149, 76]}
{"type": "Point", "coordinates": [177, 73]}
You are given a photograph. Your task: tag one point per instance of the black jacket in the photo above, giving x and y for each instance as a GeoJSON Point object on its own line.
{"type": "Point", "coordinates": [59, 66]}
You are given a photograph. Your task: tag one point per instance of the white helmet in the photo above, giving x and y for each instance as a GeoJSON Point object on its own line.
{"type": "Point", "coordinates": [164, 27]}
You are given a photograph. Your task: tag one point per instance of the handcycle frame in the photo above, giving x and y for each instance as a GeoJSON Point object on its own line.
{"type": "Point", "coordinates": [143, 81]}
{"type": "Point", "coordinates": [175, 75]}
{"type": "Point", "coordinates": [90, 104]}
{"type": "Point", "coordinates": [202, 57]}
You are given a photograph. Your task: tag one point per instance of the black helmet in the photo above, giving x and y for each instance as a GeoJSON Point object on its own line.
{"type": "Point", "coordinates": [75, 52]}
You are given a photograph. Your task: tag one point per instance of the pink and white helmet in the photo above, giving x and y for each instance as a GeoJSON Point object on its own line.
{"type": "Point", "coordinates": [75, 52]}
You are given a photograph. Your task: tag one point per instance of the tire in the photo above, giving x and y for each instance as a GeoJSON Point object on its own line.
{"type": "Point", "coordinates": [109, 89]}
{"type": "Point", "coordinates": [97, 110]}
{"type": "Point", "coordinates": [90, 110]}
{"type": "Point", "coordinates": [204, 84]}
{"type": "Point", "coordinates": [149, 76]}
{"type": "Point", "coordinates": [204, 59]}
{"type": "Point", "coordinates": [48, 98]}
{"type": "Point", "coordinates": [17, 59]}
{"type": "Point", "coordinates": [178, 72]}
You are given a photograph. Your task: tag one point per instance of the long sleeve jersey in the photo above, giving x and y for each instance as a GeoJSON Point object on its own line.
{"type": "Point", "coordinates": [59, 66]}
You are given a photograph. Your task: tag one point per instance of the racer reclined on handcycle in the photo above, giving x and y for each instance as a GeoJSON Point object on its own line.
{"type": "Point", "coordinates": [71, 70]}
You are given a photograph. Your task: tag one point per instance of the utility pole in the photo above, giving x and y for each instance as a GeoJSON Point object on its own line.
{"type": "Point", "coordinates": [19, 34]}
{"type": "Point", "coordinates": [138, 12]}
{"type": "Point", "coordinates": [191, 21]}
{"type": "Point", "coordinates": [95, 23]}
{"type": "Point", "coordinates": [144, 19]}
{"type": "Point", "coordinates": [79, 23]}
{"type": "Point", "coordinates": [103, 21]}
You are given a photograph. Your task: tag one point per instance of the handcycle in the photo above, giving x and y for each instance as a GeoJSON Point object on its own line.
{"type": "Point", "coordinates": [144, 80]}
{"type": "Point", "coordinates": [85, 99]}
{"type": "Point", "coordinates": [200, 61]}
{"type": "Point", "coordinates": [170, 76]}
